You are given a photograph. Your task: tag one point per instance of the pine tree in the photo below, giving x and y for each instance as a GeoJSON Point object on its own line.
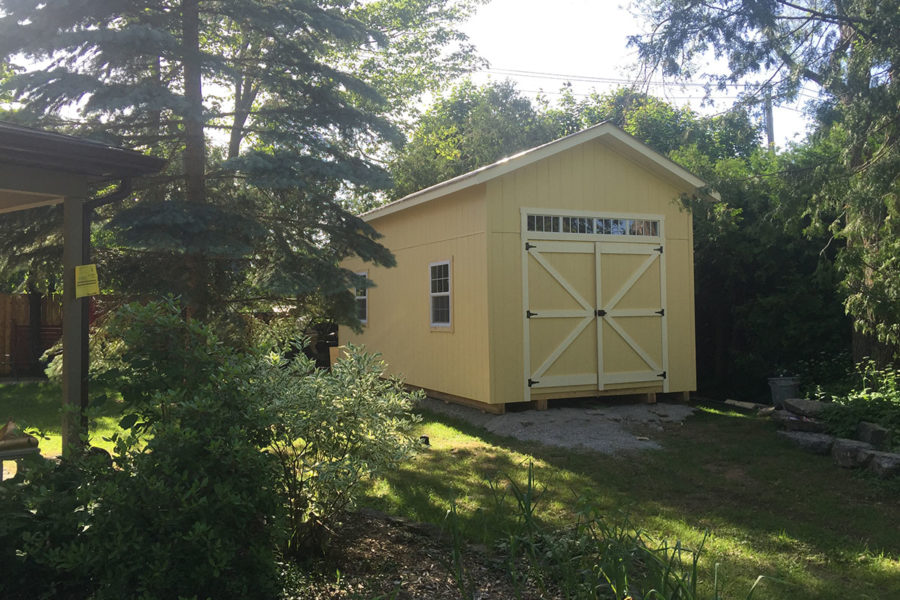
{"type": "Point", "coordinates": [263, 125]}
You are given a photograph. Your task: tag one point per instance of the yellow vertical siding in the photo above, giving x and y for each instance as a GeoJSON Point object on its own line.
{"type": "Point", "coordinates": [595, 178]}
{"type": "Point", "coordinates": [454, 361]}
{"type": "Point", "coordinates": [482, 357]}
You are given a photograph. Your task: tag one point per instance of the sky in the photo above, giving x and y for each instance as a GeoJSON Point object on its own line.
{"type": "Point", "coordinates": [541, 44]}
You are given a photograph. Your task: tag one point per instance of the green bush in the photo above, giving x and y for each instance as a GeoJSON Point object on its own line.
{"type": "Point", "coordinates": [191, 513]}
{"type": "Point", "coordinates": [45, 517]}
{"type": "Point", "coordinates": [330, 431]}
{"type": "Point", "coordinates": [874, 396]}
{"type": "Point", "coordinates": [190, 507]}
{"type": "Point", "coordinates": [228, 457]}
{"type": "Point", "coordinates": [156, 358]}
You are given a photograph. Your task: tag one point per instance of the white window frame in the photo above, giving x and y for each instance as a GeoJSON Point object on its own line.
{"type": "Point", "coordinates": [433, 295]}
{"type": "Point", "coordinates": [364, 298]}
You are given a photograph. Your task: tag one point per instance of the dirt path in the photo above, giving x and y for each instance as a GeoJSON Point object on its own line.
{"type": "Point", "coordinates": [601, 425]}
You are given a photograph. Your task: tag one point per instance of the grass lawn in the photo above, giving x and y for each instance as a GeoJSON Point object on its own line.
{"type": "Point", "coordinates": [38, 405]}
{"type": "Point", "coordinates": [770, 508]}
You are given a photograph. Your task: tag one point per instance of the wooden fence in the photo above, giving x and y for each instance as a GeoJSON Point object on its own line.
{"type": "Point", "coordinates": [14, 320]}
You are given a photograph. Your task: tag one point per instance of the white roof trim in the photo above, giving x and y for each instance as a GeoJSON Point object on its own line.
{"type": "Point", "coordinates": [517, 161]}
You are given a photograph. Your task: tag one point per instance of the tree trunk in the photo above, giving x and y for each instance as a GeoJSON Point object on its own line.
{"type": "Point", "coordinates": [244, 96]}
{"type": "Point", "coordinates": [155, 122]}
{"type": "Point", "coordinates": [194, 159]}
{"type": "Point", "coordinates": [194, 143]}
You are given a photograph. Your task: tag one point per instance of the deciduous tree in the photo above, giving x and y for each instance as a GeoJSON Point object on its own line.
{"type": "Point", "coordinates": [850, 50]}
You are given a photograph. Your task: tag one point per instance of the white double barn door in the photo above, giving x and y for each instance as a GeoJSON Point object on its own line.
{"type": "Point", "coordinates": [595, 314]}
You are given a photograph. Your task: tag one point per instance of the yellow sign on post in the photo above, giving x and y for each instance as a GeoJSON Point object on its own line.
{"type": "Point", "coordinates": [86, 282]}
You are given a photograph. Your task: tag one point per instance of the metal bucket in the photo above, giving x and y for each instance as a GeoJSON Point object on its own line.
{"type": "Point", "coordinates": [784, 388]}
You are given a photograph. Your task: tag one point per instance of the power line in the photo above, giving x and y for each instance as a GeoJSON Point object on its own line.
{"type": "Point", "coordinates": [587, 94]}
{"type": "Point", "coordinates": [619, 80]}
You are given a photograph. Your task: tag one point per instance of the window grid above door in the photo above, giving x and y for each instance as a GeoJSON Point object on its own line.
{"type": "Point", "coordinates": [594, 226]}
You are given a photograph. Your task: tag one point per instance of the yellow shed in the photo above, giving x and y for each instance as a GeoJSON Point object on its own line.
{"type": "Point", "coordinates": [563, 271]}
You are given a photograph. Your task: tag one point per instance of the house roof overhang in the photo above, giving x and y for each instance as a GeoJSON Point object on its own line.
{"type": "Point", "coordinates": [39, 168]}
{"type": "Point", "coordinates": [605, 132]}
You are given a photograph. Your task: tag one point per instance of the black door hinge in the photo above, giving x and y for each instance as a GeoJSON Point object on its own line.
{"type": "Point", "coordinates": [661, 312]}
{"type": "Point", "coordinates": [532, 382]}
{"type": "Point", "coordinates": [660, 249]}
{"type": "Point", "coordinates": [601, 312]}
{"type": "Point", "coordinates": [663, 375]}
{"type": "Point", "coordinates": [530, 314]}
{"type": "Point", "coordinates": [529, 246]}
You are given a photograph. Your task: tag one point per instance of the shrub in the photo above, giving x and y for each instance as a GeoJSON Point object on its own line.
{"type": "Point", "coordinates": [191, 513]}
{"type": "Point", "coordinates": [155, 358]}
{"type": "Point", "coordinates": [190, 508]}
{"type": "Point", "coordinates": [331, 430]}
{"type": "Point", "coordinates": [188, 514]}
{"type": "Point", "coordinates": [41, 532]}
{"type": "Point", "coordinates": [228, 456]}
{"type": "Point", "coordinates": [874, 397]}
{"type": "Point", "coordinates": [830, 373]}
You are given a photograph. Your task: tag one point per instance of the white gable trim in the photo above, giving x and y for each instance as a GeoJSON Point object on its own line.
{"type": "Point", "coordinates": [618, 138]}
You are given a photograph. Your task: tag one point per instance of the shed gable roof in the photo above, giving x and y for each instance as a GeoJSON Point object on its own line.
{"type": "Point", "coordinates": [615, 137]}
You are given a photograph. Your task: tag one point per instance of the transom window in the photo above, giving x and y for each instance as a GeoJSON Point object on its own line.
{"type": "Point", "coordinates": [362, 302]}
{"type": "Point", "coordinates": [439, 293]}
{"type": "Point", "coordinates": [593, 225]}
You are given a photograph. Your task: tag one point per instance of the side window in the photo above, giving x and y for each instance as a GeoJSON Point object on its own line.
{"type": "Point", "coordinates": [362, 302]}
{"type": "Point", "coordinates": [439, 293]}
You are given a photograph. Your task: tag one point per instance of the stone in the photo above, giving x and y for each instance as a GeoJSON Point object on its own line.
{"type": "Point", "coordinates": [817, 443]}
{"type": "Point", "coordinates": [884, 464]}
{"type": "Point", "coordinates": [851, 454]}
{"type": "Point", "coordinates": [872, 433]}
{"type": "Point", "coordinates": [744, 405]}
{"type": "Point", "coordinates": [804, 407]}
{"type": "Point", "coordinates": [792, 422]}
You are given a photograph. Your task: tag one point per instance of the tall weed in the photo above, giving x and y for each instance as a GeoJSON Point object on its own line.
{"type": "Point", "coordinates": [596, 558]}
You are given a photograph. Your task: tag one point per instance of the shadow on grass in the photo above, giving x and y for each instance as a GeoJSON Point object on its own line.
{"type": "Point", "coordinates": [772, 508]}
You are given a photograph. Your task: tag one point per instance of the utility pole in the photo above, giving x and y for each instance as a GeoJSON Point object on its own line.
{"type": "Point", "coordinates": [770, 125]}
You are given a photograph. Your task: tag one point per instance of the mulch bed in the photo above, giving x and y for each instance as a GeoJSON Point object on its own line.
{"type": "Point", "coordinates": [381, 556]}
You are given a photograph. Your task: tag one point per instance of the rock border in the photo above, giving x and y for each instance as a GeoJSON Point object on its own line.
{"type": "Point", "coordinates": [801, 426]}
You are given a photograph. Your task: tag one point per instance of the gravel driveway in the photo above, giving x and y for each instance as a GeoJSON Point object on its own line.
{"type": "Point", "coordinates": [603, 426]}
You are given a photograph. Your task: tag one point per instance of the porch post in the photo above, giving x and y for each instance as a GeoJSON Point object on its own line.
{"type": "Point", "coordinates": [75, 354]}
